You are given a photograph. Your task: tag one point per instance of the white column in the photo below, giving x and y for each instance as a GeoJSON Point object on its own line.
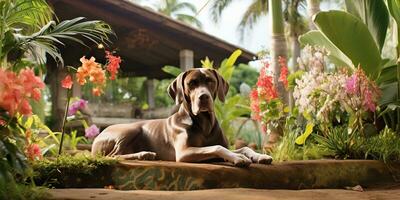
{"type": "Point", "coordinates": [186, 57]}
{"type": "Point", "coordinates": [150, 93]}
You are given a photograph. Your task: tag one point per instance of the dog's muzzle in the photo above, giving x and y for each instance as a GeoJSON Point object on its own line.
{"type": "Point", "coordinates": [202, 101]}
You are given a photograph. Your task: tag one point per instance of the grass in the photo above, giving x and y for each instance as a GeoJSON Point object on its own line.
{"type": "Point", "coordinates": [287, 149]}
{"type": "Point", "coordinates": [66, 168]}
{"type": "Point", "coordinates": [384, 146]}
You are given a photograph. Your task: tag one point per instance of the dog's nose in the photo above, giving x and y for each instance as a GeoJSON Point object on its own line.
{"type": "Point", "coordinates": [204, 97]}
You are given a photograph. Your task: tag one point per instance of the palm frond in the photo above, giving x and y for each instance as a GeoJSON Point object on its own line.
{"type": "Point", "coordinates": [188, 19]}
{"type": "Point", "coordinates": [185, 5]}
{"type": "Point", "coordinates": [253, 13]}
{"type": "Point", "coordinates": [30, 14]}
{"type": "Point", "coordinates": [52, 34]}
{"type": "Point", "coordinates": [217, 7]}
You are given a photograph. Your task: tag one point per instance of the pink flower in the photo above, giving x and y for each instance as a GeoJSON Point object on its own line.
{"type": "Point", "coordinates": [368, 101]}
{"type": "Point", "coordinates": [92, 131]}
{"type": "Point", "coordinates": [33, 152]}
{"type": "Point", "coordinates": [67, 82]}
{"type": "Point", "coordinates": [77, 105]}
{"type": "Point", "coordinates": [351, 84]}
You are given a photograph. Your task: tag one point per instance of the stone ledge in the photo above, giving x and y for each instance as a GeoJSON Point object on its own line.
{"type": "Point", "coordinates": [161, 175]}
{"type": "Point", "coordinates": [158, 175]}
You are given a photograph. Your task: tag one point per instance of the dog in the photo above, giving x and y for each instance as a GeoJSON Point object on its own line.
{"type": "Point", "coordinates": [191, 134]}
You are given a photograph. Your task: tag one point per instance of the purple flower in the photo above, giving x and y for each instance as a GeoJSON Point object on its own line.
{"type": "Point", "coordinates": [92, 131]}
{"type": "Point", "coordinates": [77, 105]}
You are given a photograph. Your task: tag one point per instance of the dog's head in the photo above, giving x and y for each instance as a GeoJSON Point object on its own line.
{"type": "Point", "coordinates": [198, 88]}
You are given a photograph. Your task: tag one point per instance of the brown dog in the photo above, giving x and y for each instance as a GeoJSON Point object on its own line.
{"type": "Point", "coordinates": [192, 134]}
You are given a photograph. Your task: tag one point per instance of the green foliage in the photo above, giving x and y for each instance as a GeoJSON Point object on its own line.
{"type": "Point", "coordinates": [352, 38]}
{"type": "Point", "coordinates": [374, 14]}
{"type": "Point", "coordinates": [50, 171]}
{"type": "Point", "coordinates": [82, 163]}
{"type": "Point", "coordinates": [243, 74]}
{"type": "Point", "coordinates": [383, 146]}
{"type": "Point", "coordinates": [13, 161]}
{"type": "Point", "coordinates": [292, 79]}
{"type": "Point", "coordinates": [174, 71]}
{"type": "Point", "coordinates": [174, 8]}
{"type": "Point", "coordinates": [287, 149]}
{"type": "Point", "coordinates": [339, 142]}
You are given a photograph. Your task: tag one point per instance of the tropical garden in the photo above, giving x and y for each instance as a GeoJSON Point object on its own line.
{"type": "Point", "coordinates": [328, 86]}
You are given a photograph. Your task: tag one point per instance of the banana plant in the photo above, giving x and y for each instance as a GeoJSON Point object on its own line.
{"type": "Point", "coordinates": [356, 37]}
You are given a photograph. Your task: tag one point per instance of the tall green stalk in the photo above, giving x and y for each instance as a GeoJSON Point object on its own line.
{"type": "Point", "coordinates": [69, 94]}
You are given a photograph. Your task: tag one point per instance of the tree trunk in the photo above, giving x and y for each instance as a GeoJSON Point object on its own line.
{"type": "Point", "coordinates": [278, 49]}
{"type": "Point", "coordinates": [278, 44]}
{"type": "Point", "coordinates": [312, 9]}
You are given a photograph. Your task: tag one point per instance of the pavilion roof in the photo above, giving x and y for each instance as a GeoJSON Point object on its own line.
{"type": "Point", "coordinates": [146, 40]}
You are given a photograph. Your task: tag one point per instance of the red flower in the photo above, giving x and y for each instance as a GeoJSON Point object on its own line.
{"type": "Point", "coordinates": [284, 71]}
{"type": "Point", "coordinates": [254, 105]}
{"type": "Point", "coordinates": [113, 64]}
{"type": "Point", "coordinates": [33, 152]}
{"type": "Point", "coordinates": [67, 82]}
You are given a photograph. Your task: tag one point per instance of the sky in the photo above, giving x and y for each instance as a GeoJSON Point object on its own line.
{"type": "Point", "coordinates": [255, 40]}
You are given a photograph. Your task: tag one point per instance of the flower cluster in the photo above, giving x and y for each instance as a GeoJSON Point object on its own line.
{"type": "Point", "coordinates": [93, 71]}
{"type": "Point", "coordinates": [76, 106]}
{"type": "Point", "coordinates": [264, 100]}
{"type": "Point", "coordinates": [17, 89]}
{"type": "Point", "coordinates": [92, 131]}
{"type": "Point", "coordinates": [113, 64]}
{"type": "Point", "coordinates": [321, 93]}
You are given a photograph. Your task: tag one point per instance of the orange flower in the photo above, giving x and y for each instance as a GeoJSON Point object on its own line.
{"type": "Point", "coordinates": [113, 64]}
{"type": "Point", "coordinates": [97, 91]}
{"type": "Point", "coordinates": [67, 82]}
{"type": "Point", "coordinates": [33, 152]}
{"type": "Point", "coordinates": [15, 90]}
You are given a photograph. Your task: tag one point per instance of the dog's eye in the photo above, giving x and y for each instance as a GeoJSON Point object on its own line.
{"type": "Point", "coordinates": [192, 83]}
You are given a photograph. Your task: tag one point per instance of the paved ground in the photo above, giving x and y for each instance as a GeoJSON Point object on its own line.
{"type": "Point", "coordinates": [222, 194]}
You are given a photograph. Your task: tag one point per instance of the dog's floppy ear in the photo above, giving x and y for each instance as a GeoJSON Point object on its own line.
{"type": "Point", "coordinates": [176, 88]}
{"type": "Point", "coordinates": [222, 86]}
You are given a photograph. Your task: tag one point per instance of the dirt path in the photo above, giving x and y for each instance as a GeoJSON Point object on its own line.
{"type": "Point", "coordinates": [222, 194]}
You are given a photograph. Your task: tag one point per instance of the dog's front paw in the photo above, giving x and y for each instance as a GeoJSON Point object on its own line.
{"type": "Point", "coordinates": [147, 155]}
{"type": "Point", "coordinates": [241, 161]}
{"type": "Point", "coordinates": [264, 159]}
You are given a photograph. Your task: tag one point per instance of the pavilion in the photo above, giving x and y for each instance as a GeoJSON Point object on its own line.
{"type": "Point", "coordinates": [146, 41]}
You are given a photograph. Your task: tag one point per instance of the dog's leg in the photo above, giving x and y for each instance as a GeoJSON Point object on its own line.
{"type": "Point", "coordinates": [143, 155]}
{"type": "Point", "coordinates": [198, 154]}
{"type": "Point", "coordinates": [254, 156]}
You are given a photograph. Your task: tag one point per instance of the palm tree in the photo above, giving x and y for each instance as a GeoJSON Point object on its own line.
{"type": "Point", "coordinates": [174, 8]}
{"type": "Point", "coordinates": [26, 26]}
{"type": "Point", "coordinates": [312, 9]}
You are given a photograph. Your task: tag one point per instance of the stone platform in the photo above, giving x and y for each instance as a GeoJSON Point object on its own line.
{"type": "Point", "coordinates": [224, 194]}
{"type": "Point", "coordinates": [161, 175]}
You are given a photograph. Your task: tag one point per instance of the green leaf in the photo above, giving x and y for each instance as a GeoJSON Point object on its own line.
{"type": "Point", "coordinates": [372, 13]}
{"type": "Point", "coordinates": [227, 66]}
{"type": "Point", "coordinates": [394, 9]}
{"type": "Point", "coordinates": [349, 34]}
{"type": "Point", "coordinates": [302, 138]}
{"type": "Point", "coordinates": [316, 38]}
{"type": "Point", "coordinates": [207, 63]}
{"type": "Point", "coordinates": [232, 59]}
{"type": "Point", "coordinates": [174, 71]}
{"type": "Point", "coordinates": [389, 93]}
{"type": "Point", "coordinates": [388, 74]}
